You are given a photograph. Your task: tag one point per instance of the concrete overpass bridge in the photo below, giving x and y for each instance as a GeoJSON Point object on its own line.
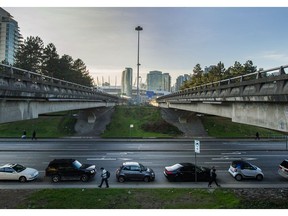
{"type": "Point", "coordinates": [258, 99]}
{"type": "Point", "coordinates": [25, 95]}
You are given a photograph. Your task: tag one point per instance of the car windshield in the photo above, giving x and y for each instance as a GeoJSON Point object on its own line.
{"type": "Point", "coordinates": [284, 164]}
{"type": "Point", "coordinates": [143, 168]}
{"type": "Point", "coordinates": [77, 164]}
{"type": "Point", "coordinates": [18, 168]}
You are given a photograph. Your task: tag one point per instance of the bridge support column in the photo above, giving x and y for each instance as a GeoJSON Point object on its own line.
{"type": "Point", "coordinates": [91, 118]}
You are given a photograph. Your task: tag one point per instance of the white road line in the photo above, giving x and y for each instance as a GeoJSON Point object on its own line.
{"type": "Point", "coordinates": [228, 158]}
{"type": "Point", "coordinates": [102, 159]}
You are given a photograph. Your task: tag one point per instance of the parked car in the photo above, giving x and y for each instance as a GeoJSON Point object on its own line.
{"type": "Point", "coordinates": [70, 169]}
{"type": "Point", "coordinates": [14, 171]}
{"type": "Point", "coordinates": [134, 171]}
{"type": "Point", "coordinates": [283, 168]}
{"type": "Point", "coordinates": [241, 169]}
{"type": "Point", "coordinates": [186, 172]}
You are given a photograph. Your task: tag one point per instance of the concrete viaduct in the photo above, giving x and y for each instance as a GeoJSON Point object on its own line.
{"type": "Point", "coordinates": [25, 95]}
{"type": "Point", "coordinates": [258, 99]}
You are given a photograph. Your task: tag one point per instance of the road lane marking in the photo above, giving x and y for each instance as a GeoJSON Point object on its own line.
{"type": "Point", "coordinates": [233, 158]}
{"type": "Point", "coordinates": [102, 159]}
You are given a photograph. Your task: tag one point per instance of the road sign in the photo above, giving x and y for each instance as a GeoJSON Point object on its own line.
{"type": "Point", "coordinates": [197, 146]}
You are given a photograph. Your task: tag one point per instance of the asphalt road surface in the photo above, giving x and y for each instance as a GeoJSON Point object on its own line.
{"type": "Point", "coordinates": [156, 154]}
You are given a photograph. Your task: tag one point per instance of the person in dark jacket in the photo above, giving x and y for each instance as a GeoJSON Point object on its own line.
{"type": "Point", "coordinates": [104, 178]}
{"type": "Point", "coordinates": [213, 176]}
{"type": "Point", "coordinates": [34, 135]}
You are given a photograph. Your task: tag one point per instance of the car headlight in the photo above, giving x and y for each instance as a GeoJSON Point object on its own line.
{"type": "Point", "coordinates": [92, 171]}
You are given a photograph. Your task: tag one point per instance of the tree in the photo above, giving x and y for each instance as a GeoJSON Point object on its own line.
{"type": "Point", "coordinates": [216, 73]}
{"type": "Point", "coordinates": [50, 61]}
{"type": "Point", "coordinates": [249, 67]}
{"type": "Point", "coordinates": [237, 69]}
{"type": "Point", "coordinates": [82, 74]}
{"type": "Point", "coordinates": [65, 68]}
{"type": "Point", "coordinates": [29, 54]}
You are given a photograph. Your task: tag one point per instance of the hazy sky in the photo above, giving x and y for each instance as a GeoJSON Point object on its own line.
{"type": "Point", "coordinates": [173, 40]}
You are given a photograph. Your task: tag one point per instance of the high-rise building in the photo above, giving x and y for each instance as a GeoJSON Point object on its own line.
{"type": "Point", "coordinates": [126, 82]}
{"type": "Point", "coordinates": [166, 81]}
{"type": "Point", "coordinates": [156, 81]}
{"type": "Point", "coordinates": [9, 37]}
{"type": "Point", "coordinates": [180, 81]}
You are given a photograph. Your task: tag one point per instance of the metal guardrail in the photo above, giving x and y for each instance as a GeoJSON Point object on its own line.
{"type": "Point", "coordinates": [277, 71]}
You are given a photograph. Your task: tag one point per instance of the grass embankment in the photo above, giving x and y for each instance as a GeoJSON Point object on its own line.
{"type": "Point", "coordinates": [139, 122]}
{"type": "Point", "coordinates": [224, 128]}
{"type": "Point", "coordinates": [132, 199]}
{"type": "Point", "coordinates": [48, 126]}
{"type": "Point", "coordinates": [160, 198]}
{"type": "Point", "coordinates": [146, 121]}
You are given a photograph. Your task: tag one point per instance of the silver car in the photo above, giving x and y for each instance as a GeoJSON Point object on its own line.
{"type": "Point", "coordinates": [241, 169]}
{"type": "Point", "coordinates": [17, 172]}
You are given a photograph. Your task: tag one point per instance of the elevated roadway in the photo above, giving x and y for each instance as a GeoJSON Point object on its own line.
{"type": "Point", "coordinates": [258, 99]}
{"type": "Point", "coordinates": [26, 94]}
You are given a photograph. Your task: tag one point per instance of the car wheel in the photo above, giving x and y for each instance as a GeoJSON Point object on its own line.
{"type": "Point", "coordinates": [238, 177]}
{"type": "Point", "coordinates": [55, 178]}
{"type": "Point", "coordinates": [121, 179]}
{"type": "Point", "coordinates": [22, 179]}
{"type": "Point", "coordinates": [259, 177]}
{"type": "Point", "coordinates": [146, 179]}
{"type": "Point", "coordinates": [84, 178]}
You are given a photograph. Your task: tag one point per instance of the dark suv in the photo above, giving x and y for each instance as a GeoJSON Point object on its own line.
{"type": "Point", "coordinates": [69, 169]}
{"type": "Point", "coordinates": [134, 171]}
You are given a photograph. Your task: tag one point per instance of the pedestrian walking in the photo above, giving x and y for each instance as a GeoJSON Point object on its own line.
{"type": "Point", "coordinates": [24, 135]}
{"type": "Point", "coordinates": [104, 175]}
{"type": "Point", "coordinates": [213, 176]}
{"type": "Point", "coordinates": [34, 135]}
{"type": "Point", "coordinates": [257, 136]}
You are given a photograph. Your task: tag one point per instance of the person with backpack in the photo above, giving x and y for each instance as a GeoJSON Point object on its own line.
{"type": "Point", "coordinates": [213, 176]}
{"type": "Point", "coordinates": [104, 175]}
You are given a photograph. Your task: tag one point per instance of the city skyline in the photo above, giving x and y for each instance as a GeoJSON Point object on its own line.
{"type": "Point", "coordinates": [173, 39]}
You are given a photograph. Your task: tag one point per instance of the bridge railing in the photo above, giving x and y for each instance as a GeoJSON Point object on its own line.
{"type": "Point", "coordinates": [21, 75]}
{"type": "Point", "coordinates": [277, 71]}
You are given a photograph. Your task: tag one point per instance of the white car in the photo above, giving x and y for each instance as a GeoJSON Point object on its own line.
{"type": "Point", "coordinates": [242, 169]}
{"type": "Point", "coordinates": [17, 172]}
{"type": "Point", "coordinates": [283, 168]}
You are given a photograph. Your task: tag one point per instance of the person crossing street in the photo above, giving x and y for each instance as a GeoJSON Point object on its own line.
{"type": "Point", "coordinates": [104, 176]}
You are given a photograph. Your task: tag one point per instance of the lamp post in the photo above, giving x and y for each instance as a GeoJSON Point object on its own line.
{"type": "Point", "coordinates": [138, 29]}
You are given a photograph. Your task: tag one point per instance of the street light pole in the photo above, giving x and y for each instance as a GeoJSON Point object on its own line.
{"type": "Point", "coordinates": [138, 28]}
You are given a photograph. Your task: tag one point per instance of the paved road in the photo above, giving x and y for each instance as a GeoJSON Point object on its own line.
{"type": "Point", "coordinates": [156, 154]}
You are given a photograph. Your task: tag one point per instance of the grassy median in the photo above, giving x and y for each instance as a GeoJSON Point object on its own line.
{"type": "Point", "coordinates": [139, 122]}
{"type": "Point", "coordinates": [131, 199]}
{"type": "Point", "coordinates": [156, 198]}
{"type": "Point", "coordinates": [130, 122]}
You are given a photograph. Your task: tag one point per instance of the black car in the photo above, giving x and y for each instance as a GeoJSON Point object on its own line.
{"type": "Point", "coordinates": [69, 169]}
{"type": "Point", "coordinates": [134, 171]}
{"type": "Point", "coordinates": [186, 172]}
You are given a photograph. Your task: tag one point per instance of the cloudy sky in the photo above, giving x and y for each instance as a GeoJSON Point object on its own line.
{"type": "Point", "coordinates": [173, 40]}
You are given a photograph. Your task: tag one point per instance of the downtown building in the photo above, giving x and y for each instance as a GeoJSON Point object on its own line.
{"type": "Point", "coordinates": [126, 82]}
{"type": "Point", "coordinates": [10, 37]}
{"type": "Point", "coordinates": [180, 81]}
{"type": "Point", "coordinates": [158, 81]}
